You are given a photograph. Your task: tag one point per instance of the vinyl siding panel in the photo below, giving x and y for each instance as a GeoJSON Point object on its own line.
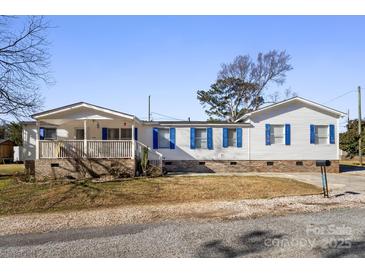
{"type": "Point", "coordinates": [299, 117]}
{"type": "Point", "coordinates": [183, 151]}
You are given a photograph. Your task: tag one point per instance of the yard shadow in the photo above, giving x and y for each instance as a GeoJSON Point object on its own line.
{"type": "Point", "coordinates": [347, 193]}
{"type": "Point", "coordinates": [250, 243]}
{"type": "Point", "coordinates": [18, 240]}
{"type": "Point", "coordinates": [344, 249]}
{"type": "Point", "coordinates": [349, 168]}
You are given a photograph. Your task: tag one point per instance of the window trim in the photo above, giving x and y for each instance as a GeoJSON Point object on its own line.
{"type": "Point", "coordinates": [234, 144]}
{"type": "Point", "coordinates": [158, 138]}
{"type": "Point", "coordinates": [48, 128]}
{"type": "Point", "coordinates": [272, 136]}
{"type": "Point", "coordinates": [316, 137]}
{"type": "Point", "coordinates": [108, 135]}
{"type": "Point", "coordinates": [79, 128]}
{"type": "Point", "coordinates": [206, 137]}
{"type": "Point", "coordinates": [120, 133]}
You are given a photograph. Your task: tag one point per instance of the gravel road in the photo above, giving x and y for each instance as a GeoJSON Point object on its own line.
{"type": "Point", "coordinates": [333, 233]}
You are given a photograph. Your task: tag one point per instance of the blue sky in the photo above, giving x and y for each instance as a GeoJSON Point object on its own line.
{"type": "Point", "coordinates": [117, 61]}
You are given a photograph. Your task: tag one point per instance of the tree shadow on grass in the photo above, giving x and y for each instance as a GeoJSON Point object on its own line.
{"type": "Point", "coordinates": [340, 247]}
{"type": "Point", "coordinates": [253, 242]}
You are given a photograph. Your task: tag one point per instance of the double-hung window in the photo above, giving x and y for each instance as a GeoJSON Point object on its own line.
{"type": "Point", "coordinates": [50, 133]}
{"type": "Point", "coordinates": [277, 134]}
{"type": "Point", "coordinates": [232, 137]}
{"type": "Point", "coordinates": [201, 138]}
{"type": "Point", "coordinates": [80, 133]}
{"type": "Point", "coordinates": [113, 133]}
{"type": "Point", "coordinates": [164, 138]}
{"type": "Point", "coordinates": [125, 133]}
{"type": "Point", "coordinates": [321, 134]}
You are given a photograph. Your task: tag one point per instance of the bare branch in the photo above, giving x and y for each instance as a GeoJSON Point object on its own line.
{"type": "Point", "coordinates": [245, 81]}
{"type": "Point", "coordinates": [24, 64]}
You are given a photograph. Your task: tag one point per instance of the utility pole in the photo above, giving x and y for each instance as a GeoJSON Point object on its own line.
{"type": "Point", "coordinates": [149, 108]}
{"type": "Point", "coordinates": [348, 117]}
{"type": "Point", "coordinates": [359, 126]}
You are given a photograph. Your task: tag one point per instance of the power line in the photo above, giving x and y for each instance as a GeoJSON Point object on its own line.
{"type": "Point", "coordinates": [339, 96]}
{"type": "Point", "coordinates": [169, 117]}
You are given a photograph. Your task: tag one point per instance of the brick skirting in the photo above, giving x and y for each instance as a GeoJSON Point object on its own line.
{"type": "Point", "coordinates": [214, 166]}
{"type": "Point", "coordinates": [79, 168]}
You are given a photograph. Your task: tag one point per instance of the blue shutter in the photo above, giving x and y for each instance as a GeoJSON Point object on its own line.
{"type": "Point", "coordinates": [312, 134]}
{"type": "Point", "coordinates": [41, 133]}
{"type": "Point", "coordinates": [267, 134]}
{"type": "Point", "coordinates": [287, 134]}
{"type": "Point", "coordinates": [210, 138]}
{"type": "Point", "coordinates": [155, 138]}
{"type": "Point", "coordinates": [332, 134]}
{"type": "Point", "coordinates": [104, 133]}
{"type": "Point", "coordinates": [172, 138]}
{"type": "Point", "coordinates": [225, 137]}
{"type": "Point", "coordinates": [136, 133]}
{"type": "Point", "coordinates": [192, 138]}
{"type": "Point", "coordinates": [239, 137]}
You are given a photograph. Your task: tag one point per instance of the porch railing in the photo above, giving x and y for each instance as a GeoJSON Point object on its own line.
{"type": "Point", "coordinates": [109, 149]}
{"type": "Point", "coordinates": [93, 149]}
{"type": "Point", "coordinates": [61, 149]}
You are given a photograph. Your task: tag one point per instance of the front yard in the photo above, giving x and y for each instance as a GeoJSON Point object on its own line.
{"type": "Point", "coordinates": [26, 198]}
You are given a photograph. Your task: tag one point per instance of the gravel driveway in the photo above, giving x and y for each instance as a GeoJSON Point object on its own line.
{"type": "Point", "coordinates": [219, 210]}
{"type": "Point", "coordinates": [334, 233]}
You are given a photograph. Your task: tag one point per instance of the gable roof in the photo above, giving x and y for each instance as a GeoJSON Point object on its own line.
{"type": "Point", "coordinates": [6, 140]}
{"type": "Point", "coordinates": [293, 99]}
{"type": "Point", "coordinates": [82, 104]}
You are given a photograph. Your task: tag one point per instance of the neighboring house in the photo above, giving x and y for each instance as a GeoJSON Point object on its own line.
{"type": "Point", "coordinates": [87, 140]}
{"type": "Point", "coordinates": [6, 150]}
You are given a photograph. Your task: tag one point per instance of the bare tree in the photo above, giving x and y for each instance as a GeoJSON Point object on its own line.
{"type": "Point", "coordinates": [253, 77]}
{"type": "Point", "coordinates": [24, 64]}
{"type": "Point", "coordinates": [277, 96]}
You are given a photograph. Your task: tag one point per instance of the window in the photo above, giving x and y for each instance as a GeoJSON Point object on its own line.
{"type": "Point", "coordinates": [125, 133]}
{"type": "Point", "coordinates": [201, 138]}
{"type": "Point", "coordinates": [321, 133]}
{"type": "Point", "coordinates": [277, 135]}
{"type": "Point", "coordinates": [50, 134]}
{"type": "Point", "coordinates": [113, 133]}
{"type": "Point", "coordinates": [80, 134]}
{"type": "Point", "coordinates": [232, 137]}
{"type": "Point", "coordinates": [164, 138]}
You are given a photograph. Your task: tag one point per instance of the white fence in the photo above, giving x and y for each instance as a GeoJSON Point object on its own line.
{"type": "Point", "coordinates": [93, 149]}
{"type": "Point", "coordinates": [109, 149]}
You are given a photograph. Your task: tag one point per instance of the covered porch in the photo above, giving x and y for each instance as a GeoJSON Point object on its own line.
{"type": "Point", "coordinates": [53, 149]}
{"type": "Point", "coordinates": [85, 131]}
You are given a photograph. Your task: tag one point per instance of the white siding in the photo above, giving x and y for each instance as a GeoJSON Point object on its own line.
{"type": "Point", "coordinates": [183, 151]}
{"type": "Point", "coordinates": [297, 114]}
{"type": "Point", "coordinates": [299, 117]}
{"type": "Point", "coordinates": [28, 148]}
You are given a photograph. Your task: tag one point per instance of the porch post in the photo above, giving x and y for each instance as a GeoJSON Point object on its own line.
{"type": "Point", "coordinates": [133, 142]}
{"type": "Point", "coordinates": [85, 138]}
{"type": "Point", "coordinates": [37, 141]}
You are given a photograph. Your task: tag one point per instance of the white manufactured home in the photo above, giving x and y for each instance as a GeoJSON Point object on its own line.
{"type": "Point", "coordinates": [86, 140]}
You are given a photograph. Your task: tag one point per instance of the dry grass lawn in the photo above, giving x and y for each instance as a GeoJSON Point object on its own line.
{"type": "Point", "coordinates": [11, 169]}
{"type": "Point", "coordinates": [351, 163]}
{"type": "Point", "coordinates": [24, 198]}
